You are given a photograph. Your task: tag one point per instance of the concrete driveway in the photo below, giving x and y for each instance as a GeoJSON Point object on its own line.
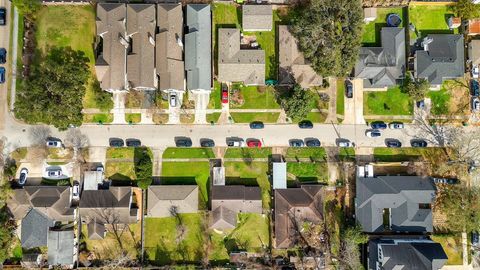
{"type": "Point", "coordinates": [35, 172]}
{"type": "Point", "coordinates": [354, 106]}
{"type": "Point", "coordinates": [174, 112]}
{"type": "Point", "coordinates": [201, 99]}
{"type": "Point", "coordinates": [119, 107]}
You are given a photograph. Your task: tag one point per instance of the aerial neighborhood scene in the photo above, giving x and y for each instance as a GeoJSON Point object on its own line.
{"type": "Point", "coordinates": [240, 134]}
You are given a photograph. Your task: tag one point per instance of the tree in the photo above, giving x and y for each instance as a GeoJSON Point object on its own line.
{"type": "Point", "coordinates": [39, 134]}
{"type": "Point", "coordinates": [461, 205]}
{"type": "Point", "coordinates": [77, 140]}
{"type": "Point", "coordinates": [416, 89]}
{"type": "Point", "coordinates": [329, 33]}
{"type": "Point", "coordinates": [349, 248]}
{"type": "Point", "coordinates": [54, 92]}
{"type": "Point", "coordinates": [102, 98]}
{"type": "Point", "coordinates": [297, 102]}
{"type": "Point", "coordinates": [143, 168]}
{"type": "Point", "coordinates": [28, 8]}
{"type": "Point", "coordinates": [466, 9]}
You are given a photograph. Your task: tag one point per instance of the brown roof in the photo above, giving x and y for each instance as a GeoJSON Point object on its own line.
{"type": "Point", "coordinates": [293, 65]}
{"type": "Point", "coordinates": [474, 27]}
{"type": "Point", "coordinates": [299, 204]}
{"type": "Point", "coordinates": [257, 18]}
{"type": "Point", "coordinates": [162, 198]}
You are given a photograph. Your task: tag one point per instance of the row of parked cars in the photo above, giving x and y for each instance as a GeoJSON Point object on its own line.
{"type": "Point", "coordinates": [3, 52]}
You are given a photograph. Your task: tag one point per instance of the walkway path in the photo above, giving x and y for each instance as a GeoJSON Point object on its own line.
{"type": "Point", "coordinates": [119, 107]}
{"type": "Point", "coordinates": [14, 53]}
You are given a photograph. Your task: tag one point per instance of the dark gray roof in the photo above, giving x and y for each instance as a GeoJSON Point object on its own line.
{"type": "Point", "coordinates": [236, 193]}
{"type": "Point", "coordinates": [108, 206]}
{"type": "Point", "coordinates": [34, 229]}
{"type": "Point", "coordinates": [383, 66]}
{"type": "Point", "coordinates": [442, 58]}
{"type": "Point", "coordinates": [96, 231]}
{"type": "Point", "coordinates": [60, 247]}
{"type": "Point", "coordinates": [198, 47]}
{"type": "Point", "coordinates": [412, 254]}
{"type": "Point", "coordinates": [402, 194]}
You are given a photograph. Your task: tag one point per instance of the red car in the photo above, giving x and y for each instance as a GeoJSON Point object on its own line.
{"type": "Point", "coordinates": [224, 93]}
{"type": "Point", "coordinates": [254, 143]}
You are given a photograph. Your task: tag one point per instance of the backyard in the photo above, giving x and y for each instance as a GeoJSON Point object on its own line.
{"type": "Point", "coordinates": [452, 245]}
{"type": "Point", "coordinates": [371, 35]}
{"type": "Point", "coordinates": [308, 171]}
{"type": "Point", "coordinates": [390, 102]}
{"type": "Point", "coordinates": [429, 19]}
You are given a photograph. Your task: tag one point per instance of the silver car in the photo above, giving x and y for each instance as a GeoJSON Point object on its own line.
{"type": "Point", "coordinates": [173, 100]}
{"type": "Point", "coordinates": [396, 125]}
{"type": "Point", "coordinates": [23, 176]}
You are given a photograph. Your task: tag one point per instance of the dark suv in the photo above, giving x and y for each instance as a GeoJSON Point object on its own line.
{"type": "Point", "coordinates": [305, 124]}
{"type": "Point", "coordinates": [2, 75]}
{"type": "Point", "coordinates": [394, 143]}
{"type": "Point", "coordinates": [348, 89]}
{"type": "Point", "coordinates": [3, 16]}
{"type": "Point", "coordinates": [3, 56]}
{"type": "Point", "coordinates": [183, 142]}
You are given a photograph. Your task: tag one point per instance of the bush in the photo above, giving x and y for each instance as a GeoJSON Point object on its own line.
{"type": "Point", "coordinates": [102, 98]}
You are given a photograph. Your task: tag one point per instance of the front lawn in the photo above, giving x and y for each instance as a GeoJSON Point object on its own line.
{"type": "Point", "coordinates": [169, 240]}
{"type": "Point", "coordinates": [196, 152]}
{"type": "Point", "coordinates": [308, 171]}
{"type": "Point", "coordinates": [251, 117]}
{"type": "Point", "coordinates": [120, 170]}
{"type": "Point", "coordinates": [317, 153]}
{"type": "Point", "coordinates": [255, 97]}
{"type": "Point", "coordinates": [429, 19]}
{"type": "Point", "coordinates": [188, 173]}
{"type": "Point", "coordinates": [99, 118]}
{"type": "Point", "coordinates": [371, 35]}
{"type": "Point", "coordinates": [390, 102]}
{"type": "Point", "coordinates": [250, 174]}
{"type": "Point", "coordinates": [120, 153]}
{"type": "Point", "coordinates": [440, 100]}
{"type": "Point", "coordinates": [452, 245]}
{"type": "Point", "coordinates": [346, 153]}
{"type": "Point", "coordinates": [340, 96]}
{"type": "Point", "coordinates": [316, 117]}
{"type": "Point", "coordinates": [213, 117]}
{"type": "Point", "coordinates": [133, 118]}
{"type": "Point", "coordinates": [244, 152]}
{"type": "Point", "coordinates": [215, 101]}
{"type": "Point", "coordinates": [452, 98]}
{"type": "Point", "coordinates": [387, 154]}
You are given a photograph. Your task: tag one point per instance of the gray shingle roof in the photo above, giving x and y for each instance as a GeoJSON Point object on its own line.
{"type": "Point", "coordinates": [60, 247]}
{"type": "Point", "coordinates": [34, 229]}
{"type": "Point", "coordinates": [162, 198]}
{"type": "Point", "coordinates": [169, 53]}
{"type": "Point", "coordinates": [257, 18]}
{"type": "Point", "coordinates": [96, 231]}
{"type": "Point", "coordinates": [110, 65]}
{"type": "Point", "coordinates": [383, 66]}
{"type": "Point", "coordinates": [442, 59]}
{"type": "Point", "coordinates": [198, 47]}
{"type": "Point", "coordinates": [237, 65]}
{"type": "Point", "coordinates": [402, 194]}
{"type": "Point", "coordinates": [140, 61]}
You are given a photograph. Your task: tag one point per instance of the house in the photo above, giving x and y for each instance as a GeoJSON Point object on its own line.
{"type": "Point", "coordinates": [34, 229]}
{"type": "Point", "coordinates": [369, 14]}
{"type": "Point", "coordinates": [394, 203]}
{"type": "Point", "coordinates": [442, 58]}
{"type": "Point", "coordinates": [141, 34]}
{"type": "Point", "coordinates": [473, 27]}
{"type": "Point", "coordinates": [115, 205]}
{"type": "Point", "coordinates": [236, 64]}
{"type": "Point", "coordinates": [301, 205]}
{"type": "Point", "coordinates": [61, 247]}
{"type": "Point", "coordinates": [474, 52]}
{"type": "Point", "coordinates": [279, 175]}
{"type": "Point", "coordinates": [257, 18]}
{"type": "Point", "coordinates": [169, 48]}
{"type": "Point", "coordinates": [405, 253]}
{"type": "Point", "coordinates": [110, 65]}
{"type": "Point", "coordinates": [198, 52]}
{"type": "Point", "coordinates": [162, 199]}
{"type": "Point", "coordinates": [228, 201]}
{"type": "Point", "coordinates": [384, 66]}
{"type": "Point", "coordinates": [293, 67]}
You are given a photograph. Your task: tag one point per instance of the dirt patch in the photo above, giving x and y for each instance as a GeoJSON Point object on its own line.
{"type": "Point", "coordinates": [460, 97]}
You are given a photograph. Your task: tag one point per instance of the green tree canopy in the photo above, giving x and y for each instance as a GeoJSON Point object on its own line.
{"type": "Point", "coordinates": [416, 89]}
{"type": "Point", "coordinates": [466, 9]}
{"type": "Point", "coordinates": [54, 91]}
{"type": "Point", "coordinates": [297, 102]}
{"type": "Point", "coordinates": [143, 167]}
{"type": "Point", "coordinates": [28, 7]}
{"type": "Point", "coordinates": [461, 205]}
{"type": "Point", "coordinates": [329, 34]}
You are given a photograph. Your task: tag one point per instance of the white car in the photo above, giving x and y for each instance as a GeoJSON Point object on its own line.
{"type": "Point", "coordinates": [54, 173]}
{"type": "Point", "coordinates": [373, 133]}
{"type": "Point", "coordinates": [236, 143]}
{"type": "Point", "coordinates": [99, 169]}
{"type": "Point", "coordinates": [173, 100]}
{"type": "Point", "coordinates": [345, 144]}
{"type": "Point", "coordinates": [23, 176]}
{"type": "Point", "coordinates": [396, 125]}
{"type": "Point", "coordinates": [76, 191]}
{"type": "Point", "coordinates": [475, 72]}
{"type": "Point", "coordinates": [54, 143]}
{"type": "Point", "coordinates": [475, 104]}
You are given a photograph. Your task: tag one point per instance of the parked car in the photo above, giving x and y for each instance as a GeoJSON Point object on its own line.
{"type": "Point", "coordinates": [474, 88]}
{"type": "Point", "coordinates": [183, 142]}
{"type": "Point", "coordinates": [173, 100]}
{"type": "Point", "coordinates": [100, 169]}
{"type": "Point", "coordinates": [312, 142]}
{"type": "Point", "coordinates": [418, 143]}
{"type": "Point", "coordinates": [54, 173]}
{"type": "Point", "coordinates": [296, 143]}
{"type": "Point", "coordinates": [76, 191]}
{"type": "Point", "coordinates": [133, 142]}
{"type": "Point", "coordinates": [475, 71]}
{"type": "Point", "coordinates": [2, 75]}
{"type": "Point", "coordinates": [345, 143]}
{"type": "Point", "coordinates": [224, 93]}
{"type": "Point", "coordinates": [116, 142]}
{"type": "Point", "coordinates": [3, 16]}
{"type": "Point", "coordinates": [207, 143]}
{"type": "Point", "coordinates": [254, 143]}
{"type": "Point", "coordinates": [348, 89]}
{"type": "Point", "coordinates": [475, 104]}
{"type": "Point", "coordinates": [378, 125]}
{"type": "Point", "coordinates": [421, 104]}
{"type": "Point", "coordinates": [3, 56]}
{"type": "Point", "coordinates": [305, 124]}
{"type": "Point", "coordinates": [393, 143]}
{"type": "Point", "coordinates": [396, 125]}
{"type": "Point", "coordinates": [54, 143]}
{"type": "Point", "coordinates": [475, 239]}
{"type": "Point", "coordinates": [256, 125]}
{"type": "Point", "coordinates": [236, 143]}
{"type": "Point", "coordinates": [372, 133]}
{"type": "Point", "coordinates": [22, 179]}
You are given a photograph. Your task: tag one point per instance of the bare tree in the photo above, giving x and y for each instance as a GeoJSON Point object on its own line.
{"type": "Point", "coordinates": [77, 140]}
{"type": "Point", "coordinates": [436, 132]}
{"type": "Point", "coordinates": [39, 134]}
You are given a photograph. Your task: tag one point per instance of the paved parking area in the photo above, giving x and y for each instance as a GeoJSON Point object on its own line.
{"type": "Point", "coordinates": [354, 106]}
{"type": "Point", "coordinates": [174, 112]}
{"type": "Point", "coordinates": [201, 99]}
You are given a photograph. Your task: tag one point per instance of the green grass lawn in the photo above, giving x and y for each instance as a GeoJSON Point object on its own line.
{"type": "Point", "coordinates": [346, 153]}
{"type": "Point", "coordinates": [387, 154]}
{"type": "Point", "coordinates": [266, 42]}
{"type": "Point", "coordinates": [19, 153]}
{"type": "Point", "coordinates": [213, 117]}
{"type": "Point", "coordinates": [429, 19]}
{"type": "Point", "coordinates": [102, 118]}
{"type": "Point", "coordinates": [120, 153]}
{"type": "Point", "coordinates": [245, 152]}
{"type": "Point", "coordinates": [316, 117]}
{"type": "Point", "coordinates": [196, 152]}
{"type": "Point", "coordinates": [250, 174]}
{"type": "Point", "coordinates": [390, 102]}
{"type": "Point", "coordinates": [256, 97]}
{"type": "Point", "coordinates": [308, 172]}
{"type": "Point", "coordinates": [371, 35]}
{"type": "Point", "coordinates": [317, 153]}
{"type": "Point", "coordinates": [250, 117]}
{"type": "Point", "coordinates": [120, 170]}
{"type": "Point", "coordinates": [452, 245]}
{"type": "Point", "coordinates": [215, 101]}
{"type": "Point", "coordinates": [133, 118]}
{"type": "Point", "coordinates": [188, 173]}
{"type": "Point", "coordinates": [440, 101]}
{"type": "Point", "coordinates": [165, 244]}
{"type": "Point", "coordinates": [340, 96]}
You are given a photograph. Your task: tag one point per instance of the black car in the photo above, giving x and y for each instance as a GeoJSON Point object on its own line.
{"type": "Point", "coordinates": [348, 89]}
{"type": "Point", "coordinates": [116, 142]}
{"type": "Point", "coordinates": [312, 142]}
{"type": "Point", "coordinates": [418, 143]}
{"type": "Point", "coordinates": [296, 143]}
{"type": "Point", "coordinates": [305, 124]}
{"type": "Point", "coordinates": [378, 125]}
{"type": "Point", "coordinates": [183, 142]}
{"type": "Point", "coordinates": [133, 142]}
{"type": "Point", "coordinates": [475, 239]}
{"type": "Point", "coordinates": [3, 16]}
{"type": "Point", "coordinates": [475, 88]}
{"type": "Point", "coordinates": [3, 56]}
{"type": "Point", "coordinates": [207, 143]}
{"type": "Point", "coordinates": [421, 104]}
{"type": "Point", "coordinates": [394, 143]}
{"type": "Point", "coordinates": [257, 125]}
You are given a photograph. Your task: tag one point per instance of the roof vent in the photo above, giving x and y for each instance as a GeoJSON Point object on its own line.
{"type": "Point", "coordinates": [425, 43]}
